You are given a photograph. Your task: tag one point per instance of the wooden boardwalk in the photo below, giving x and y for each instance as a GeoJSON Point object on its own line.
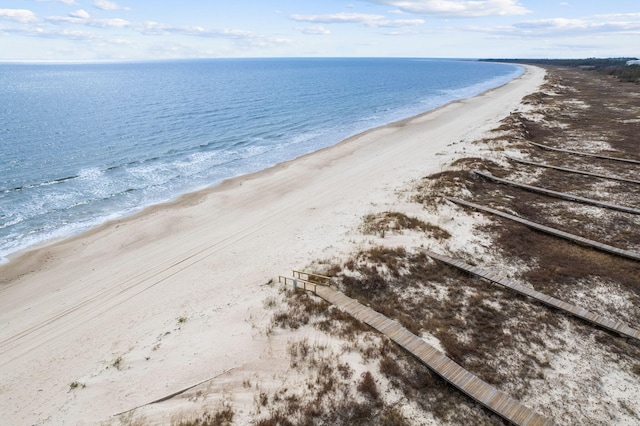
{"type": "Point", "coordinates": [556, 194]}
{"type": "Point", "coordinates": [615, 326]}
{"type": "Point", "coordinates": [580, 172]}
{"type": "Point", "coordinates": [552, 231]}
{"type": "Point", "coordinates": [484, 393]}
{"type": "Point", "coordinates": [585, 154]}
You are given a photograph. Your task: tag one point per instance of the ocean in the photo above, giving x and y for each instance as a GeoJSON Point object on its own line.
{"type": "Point", "coordinates": [82, 144]}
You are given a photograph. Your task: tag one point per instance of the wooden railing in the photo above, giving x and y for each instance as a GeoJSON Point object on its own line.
{"type": "Point", "coordinates": [313, 278]}
{"type": "Point", "coordinates": [305, 280]}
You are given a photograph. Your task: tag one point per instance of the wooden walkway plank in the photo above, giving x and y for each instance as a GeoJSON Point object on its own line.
{"type": "Point", "coordinates": [593, 318]}
{"type": "Point", "coordinates": [482, 392]}
{"type": "Point", "coordinates": [552, 231]}
{"type": "Point", "coordinates": [562, 195]}
{"type": "Point", "coordinates": [580, 172]}
{"type": "Point", "coordinates": [585, 154]}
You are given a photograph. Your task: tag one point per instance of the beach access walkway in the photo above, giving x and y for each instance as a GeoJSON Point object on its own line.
{"type": "Point", "coordinates": [556, 194]}
{"type": "Point", "coordinates": [585, 154]}
{"type": "Point", "coordinates": [551, 231]}
{"type": "Point", "coordinates": [568, 170]}
{"type": "Point", "coordinates": [468, 383]}
{"type": "Point", "coordinates": [615, 326]}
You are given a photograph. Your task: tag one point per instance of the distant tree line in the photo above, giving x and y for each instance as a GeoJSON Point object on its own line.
{"type": "Point", "coordinates": [610, 66]}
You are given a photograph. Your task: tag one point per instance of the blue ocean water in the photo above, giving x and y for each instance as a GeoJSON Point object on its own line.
{"type": "Point", "coordinates": [81, 144]}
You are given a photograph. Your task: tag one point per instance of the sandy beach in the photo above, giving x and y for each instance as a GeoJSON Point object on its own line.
{"type": "Point", "coordinates": [142, 307]}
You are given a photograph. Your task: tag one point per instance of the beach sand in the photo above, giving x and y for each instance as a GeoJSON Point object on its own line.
{"type": "Point", "coordinates": [145, 306]}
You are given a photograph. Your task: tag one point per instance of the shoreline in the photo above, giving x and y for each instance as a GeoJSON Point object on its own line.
{"type": "Point", "coordinates": [32, 251]}
{"type": "Point", "coordinates": [64, 232]}
{"type": "Point", "coordinates": [101, 308]}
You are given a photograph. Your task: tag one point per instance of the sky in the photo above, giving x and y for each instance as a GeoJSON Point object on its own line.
{"type": "Point", "coordinates": [90, 30]}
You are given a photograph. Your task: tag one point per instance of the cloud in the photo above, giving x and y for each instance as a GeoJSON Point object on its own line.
{"type": "Point", "coordinates": [108, 5]}
{"type": "Point", "coordinates": [80, 25]}
{"type": "Point", "coordinates": [81, 14]}
{"type": "Point", "coordinates": [314, 30]}
{"type": "Point", "coordinates": [19, 15]}
{"type": "Point", "coordinates": [150, 28]}
{"type": "Point", "coordinates": [242, 36]}
{"type": "Point", "coordinates": [618, 16]}
{"type": "Point", "coordinates": [399, 23]}
{"type": "Point", "coordinates": [52, 34]}
{"type": "Point", "coordinates": [553, 25]}
{"type": "Point", "coordinates": [357, 18]}
{"type": "Point", "coordinates": [82, 17]}
{"type": "Point", "coordinates": [71, 19]}
{"type": "Point", "coordinates": [110, 23]}
{"type": "Point", "coordinates": [457, 8]}
{"type": "Point", "coordinates": [564, 27]}
{"type": "Point", "coordinates": [69, 2]}
{"type": "Point", "coordinates": [338, 18]}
